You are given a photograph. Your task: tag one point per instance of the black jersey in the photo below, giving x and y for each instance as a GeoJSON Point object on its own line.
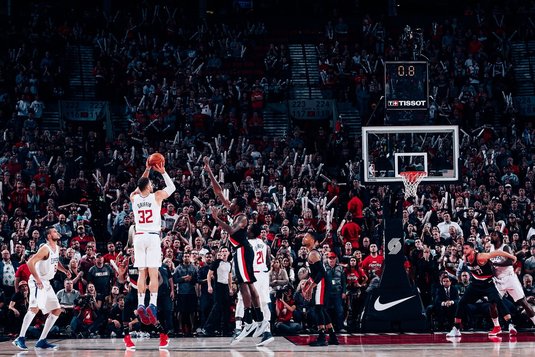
{"type": "Point", "coordinates": [317, 270]}
{"type": "Point", "coordinates": [239, 238]}
{"type": "Point", "coordinates": [480, 272]}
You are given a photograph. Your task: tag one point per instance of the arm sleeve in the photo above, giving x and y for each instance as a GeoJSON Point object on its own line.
{"type": "Point", "coordinates": [169, 184]}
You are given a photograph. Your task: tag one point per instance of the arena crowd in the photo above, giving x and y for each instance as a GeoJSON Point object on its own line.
{"type": "Point", "coordinates": [186, 98]}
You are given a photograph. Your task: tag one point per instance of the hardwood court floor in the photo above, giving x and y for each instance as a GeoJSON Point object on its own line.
{"type": "Point", "coordinates": [408, 345]}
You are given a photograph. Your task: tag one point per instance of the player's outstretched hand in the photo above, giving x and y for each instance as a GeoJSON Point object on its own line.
{"type": "Point", "coordinates": [159, 168]}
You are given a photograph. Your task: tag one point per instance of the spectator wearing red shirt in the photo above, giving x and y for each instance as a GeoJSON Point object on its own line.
{"type": "Point", "coordinates": [351, 232]}
{"type": "Point", "coordinates": [112, 254]}
{"type": "Point", "coordinates": [22, 274]}
{"type": "Point", "coordinates": [42, 178]}
{"type": "Point", "coordinates": [373, 263]}
{"type": "Point", "coordinates": [355, 286]}
{"type": "Point", "coordinates": [82, 237]}
{"type": "Point", "coordinates": [285, 307]}
{"type": "Point", "coordinates": [257, 99]}
{"type": "Point", "coordinates": [355, 206]}
{"type": "Point", "coordinates": [88, 260]}
{"type": "Point", "coordinates": [18, 198]}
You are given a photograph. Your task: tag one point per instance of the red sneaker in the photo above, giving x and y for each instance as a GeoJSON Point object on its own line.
{"type": "Point", "coordinates": [512, 330]}
{"type": "Point", "coordinates": [129, 344]}
{"type": "Point", "coordinates": [164, 340]}
{"type": "Point", "coordinates": [143, 316]}
{"type": "Point", "coordinates": [495, 331]}
{"type": "Point", "coordinates": [151, 311]}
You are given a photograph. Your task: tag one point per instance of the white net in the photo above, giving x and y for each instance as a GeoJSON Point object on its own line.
{"type": "Point", "coordinates": [411, 180]}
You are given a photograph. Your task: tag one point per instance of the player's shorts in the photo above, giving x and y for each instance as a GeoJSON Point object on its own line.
{"type": "Point", "coordinates": [319, 296]}
{"type": "Point", "coordinates": [147, 251]}
{"type": "Point", "coordinates": [243, 264]}
{"type": "Point", "coordinates": [44, 299]}
{"type": "Point", "coordinates": [511, 285]}
{"type": "Point", "coordinates": [262, 287]}
{"type": "Point", "coordinates": [479, 289]}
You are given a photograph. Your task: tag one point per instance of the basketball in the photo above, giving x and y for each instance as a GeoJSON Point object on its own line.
{"type": "Point", "coordinates": [156, 159]}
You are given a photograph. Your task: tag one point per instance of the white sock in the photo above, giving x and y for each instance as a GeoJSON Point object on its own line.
{"type": "Point", "coordinates": [496, 322]}
{"type": "Point", "coordinates": [50, 321]}
{"type": "Point", "coordinates": [238, 324]}
{"type": "Point", "coordinates": [154, 299]}
{"type": "Point", "coordinates": [140, 299]}
{"type": "Point", "coordinates": [28, 318]}
{"type": "Point", "coordinates": [532, 319]}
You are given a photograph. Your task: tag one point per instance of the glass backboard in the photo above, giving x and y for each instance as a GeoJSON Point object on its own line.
{"type": "Point", "coordinates": [389, 150]}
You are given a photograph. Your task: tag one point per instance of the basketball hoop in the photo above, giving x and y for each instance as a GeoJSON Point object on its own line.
{"type": "Point", "coordinates": [411, 180]}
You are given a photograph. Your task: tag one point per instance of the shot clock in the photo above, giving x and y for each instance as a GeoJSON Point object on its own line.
{"type": "Point", "coordinates": [406, 85]}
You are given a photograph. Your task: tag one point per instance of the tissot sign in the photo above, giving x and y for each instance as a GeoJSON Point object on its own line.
{"type": "Point", "coordinates": [407, 104]}
{"type": "Point", "coordinates": [406, 85]}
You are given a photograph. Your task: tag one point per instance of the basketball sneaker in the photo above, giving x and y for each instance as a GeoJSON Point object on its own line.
{"type": "Point", "coordinates": [495, 339]}
{"type": "Point", "coordinates": [143, 316]}
{"type": "Point", "coordinates": [44, 345]}
{"type": "Point", "coordinates": [333, 340]}
{"type": "Point", "coordinates": [129, 344]}
{"type": "Point", "coordinates": [512, 330]}
{"type": "Point", "coordinates": [20, 343]}
{"type": "Point", "coordinates": [267, 338]}
{"type": "Point", "coordinates": [247, 329]}
{"type": "Point", "coordinates": [495, 331]}
{"type": "Point", "coordinates": [152, 312]}
{"type": "Point", "coordinates": [262, 326]}
{"type": "Point", "coordinates": [454, 332]}
{"type": "Point", "coordinates": [164, 341]}
{"type": "Point", "coordinates": [320, 341]}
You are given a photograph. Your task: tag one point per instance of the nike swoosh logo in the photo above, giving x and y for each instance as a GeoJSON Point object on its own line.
{"type": "Point", "coordinates": [381, 307]}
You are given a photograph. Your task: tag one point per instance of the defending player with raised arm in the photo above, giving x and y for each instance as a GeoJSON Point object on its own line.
{"type": "Point", "coordinates": [43, 266]}
{"type": "Point", "coordinates": [243, 257]}
{"type": "Point", "coordinates": [147, 206]}
{"type": "Point", "coordinates": [505, 278]}
{"type": "Point", "coordinates": [318, 287]}
{"type": "Point", "coordinates": [481, 285]}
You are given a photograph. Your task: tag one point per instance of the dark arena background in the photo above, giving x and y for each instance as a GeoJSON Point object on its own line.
{"type": "Point", "coordinates": [395, 136]}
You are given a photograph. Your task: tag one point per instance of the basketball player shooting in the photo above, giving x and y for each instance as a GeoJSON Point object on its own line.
{"type": "Point", "coordinates": [243, 257]}
{"type": "Point", "coordinates": [43, 266]}
{"type": "Point", "coordinates": [147, 206]}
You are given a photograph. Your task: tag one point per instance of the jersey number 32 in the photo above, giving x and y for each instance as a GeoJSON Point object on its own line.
{"type": "Point", "coordinates": [145, 216]}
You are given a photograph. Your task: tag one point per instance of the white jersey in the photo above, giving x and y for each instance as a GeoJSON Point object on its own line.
{"type": "Point", "coordinates": [46, 269]}
{"type": "Point", "coordinates": [505, 278]}
{"type": "Point", "coordinates": [261, 251]}
{"type": "Point", "coordinates": [147, 213]}
{"type": "Point", "coordinates": [501, 270]}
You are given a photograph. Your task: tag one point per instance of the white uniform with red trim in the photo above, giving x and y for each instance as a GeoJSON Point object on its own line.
{"type": "Point", "coordinates": [505, 278]}
{"type": "Point", "coordinates": [148, 221]}
{"type": "Point", "coordinates": [45, 299]}
{"type": "Point", "coordinates": [261, 270]}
